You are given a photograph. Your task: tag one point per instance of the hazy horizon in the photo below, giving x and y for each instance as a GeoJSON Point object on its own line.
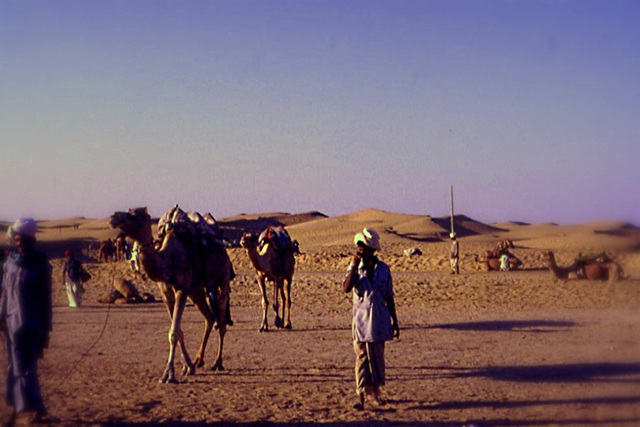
{"type": "Point", "coordinates": [529, 109]}
{"type": "Point", "coordinates": [251, 214]}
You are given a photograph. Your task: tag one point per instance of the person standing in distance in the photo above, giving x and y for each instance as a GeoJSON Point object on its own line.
{"type": "Point", "coordinates": [72, 272]}
{"type": "Point", "coordinates": [25, 318]}
{"type": "Point", "coordinates": [374, 315]}
{"type": "Point", "coordinates": [454, 254]}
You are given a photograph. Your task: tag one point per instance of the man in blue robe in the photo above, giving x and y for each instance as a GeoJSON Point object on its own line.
{"type": "Point", "coordinates": [25, 318]}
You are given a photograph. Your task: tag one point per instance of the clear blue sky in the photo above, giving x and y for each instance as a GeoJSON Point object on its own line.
{"type": "Point", "coordinates": [531, 109]}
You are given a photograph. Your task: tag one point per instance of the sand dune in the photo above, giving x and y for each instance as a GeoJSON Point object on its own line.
{"type": "Point", "coordinates": [327, 242]}
{"type": "Point", "coordinates": [316, 231]}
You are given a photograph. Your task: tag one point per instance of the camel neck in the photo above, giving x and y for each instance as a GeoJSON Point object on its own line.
{"type": "Point", "coordinates": [257, 258]}
{"type": "Point", "coordinates": [553, 267]}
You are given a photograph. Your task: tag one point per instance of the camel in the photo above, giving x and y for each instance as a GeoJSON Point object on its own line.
{"type": "Point", "coordinates": [277, 266]}
{"type": "Point", "coordinates": [106, 250]}
{"type": "Point", "coordinates": [121, 247]}
{"type": "Point", "coordinates": [171, 265]}
{"type": "Point", "coordinates": [587, 269]}
{"type": "Point", "coordinates": [488, 263]}
{"type": "Point", "coordinates": [125, 292]}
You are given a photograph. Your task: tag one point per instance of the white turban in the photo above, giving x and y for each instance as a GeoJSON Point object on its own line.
{"type": "Point", "coordinates": [23, 226]}
{"type": "Point", "coordinates": [369, 237]}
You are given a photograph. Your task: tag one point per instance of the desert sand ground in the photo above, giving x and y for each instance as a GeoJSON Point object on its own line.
{"type": "Point", "coordinates": [482, 348]}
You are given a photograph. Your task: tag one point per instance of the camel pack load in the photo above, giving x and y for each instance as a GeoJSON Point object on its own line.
{"type": "Point", "coordinates": [193, 223]}
{"type": "Point", "coordinates": [279, 237]}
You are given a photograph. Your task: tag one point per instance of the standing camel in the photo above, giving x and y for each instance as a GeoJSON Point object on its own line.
{"type": "Point", "coordinates": [106, 250]}
{"type": "Point", "coordinates": [121, 247]}
{"type": "Point", "coordinates": [277, 266]}
{"type": "Point", "coordinates": [171, 265]}
{"type": "Point", "coordinates": [589, 269]}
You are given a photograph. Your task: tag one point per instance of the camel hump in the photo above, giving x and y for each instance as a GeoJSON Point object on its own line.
{"type": "Point", "coordinates": [206, 225]}
{"type": "Point", "coordinates": [278, 236]}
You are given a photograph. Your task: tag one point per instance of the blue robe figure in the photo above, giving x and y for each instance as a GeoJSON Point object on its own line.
{"type": "Point", "coordinates": [25, 316]}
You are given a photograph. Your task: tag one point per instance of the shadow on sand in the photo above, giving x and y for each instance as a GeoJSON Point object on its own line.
{"type": "Point", "coordinates": [374, 423]}
{"type": "Point", "coordinates": [501, 326]}
{"type": "Point", "coordinates": [508, 325]}
{"type": "Point", "coordinates": [592, 372]}
{"type": "Point", "coordinates": [586, 372]}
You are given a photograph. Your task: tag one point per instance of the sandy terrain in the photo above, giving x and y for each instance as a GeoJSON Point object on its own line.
{"type": "Point", "coordinates": [484, 349]}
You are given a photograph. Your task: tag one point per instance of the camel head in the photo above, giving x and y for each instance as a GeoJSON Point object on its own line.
{"type": "Point", "coordinates": [136, 224]}
{"type": "Point", "coordinates": [249, 240]}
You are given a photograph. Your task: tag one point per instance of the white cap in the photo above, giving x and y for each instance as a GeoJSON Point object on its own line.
{"type": "Point", "coordinates": [369, 237]}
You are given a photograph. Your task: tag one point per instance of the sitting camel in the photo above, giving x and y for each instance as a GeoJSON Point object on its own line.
{"type": "Point", "coordinates": [491, 260]}
{"type": "Point", "coordinates": [587, 269]}
{"type": "Point", "coordinates": [276, 265]}
{"type": "Point", "coordinates": [125, 292]}
{"type": "Point", "coordinates": [487, 263]}
{"type": "Point", "coordinates": [171, 266]}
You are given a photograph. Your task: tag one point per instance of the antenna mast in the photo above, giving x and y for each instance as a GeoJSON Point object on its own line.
{"type": "Point", "coordinates": [452, 227]}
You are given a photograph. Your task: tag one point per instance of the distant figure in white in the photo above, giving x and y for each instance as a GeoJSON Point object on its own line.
{"type": "Point", "coordinates": [72, 272]}
{"type": "Point", "coordinates": [454, 254]}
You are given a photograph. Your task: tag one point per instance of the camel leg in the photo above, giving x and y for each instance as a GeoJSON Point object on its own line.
{"type": "Point", "coordinates": [286, 302]}
{"type": "Point", "coordinates": [222, 301]}
{"type": "Point", "coordinates": [169, 299]}
{"type": "Point", "coordinates": [283, 299]}
{"type": "Point", "coordinates": [176, 338]}
{"type": "Point", "coordinates": [264, 327]}
{"type": "Point", "coordinates": [199, 298]}
{"type": "Point", "coordinates": [277, 296]}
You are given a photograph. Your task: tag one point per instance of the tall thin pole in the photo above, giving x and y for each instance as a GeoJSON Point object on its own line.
{"type": "Point", "coordinates": [452, 228]}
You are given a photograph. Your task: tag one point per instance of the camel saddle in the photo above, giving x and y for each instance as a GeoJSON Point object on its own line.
{"type": "Point", "coordinates": [195, 231]}
{"type": "Point", "coordinates": [192, 223]}
{"type": "Point", "coordinates": [597, 257]}
{"type": "Point", "coordinates": [278, 236]}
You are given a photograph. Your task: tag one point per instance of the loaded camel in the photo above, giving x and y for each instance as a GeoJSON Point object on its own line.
{"type": "Point", "coordinates": [171, 266]}
{"type": "Point", "coordinates": [276, 265]}
{"type": "Point", "coordinates": [606, 269]}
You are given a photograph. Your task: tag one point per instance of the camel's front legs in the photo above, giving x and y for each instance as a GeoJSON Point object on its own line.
{"type": "Point", "coordinates": [264, 327]}
{"type": "Point", "coordinates": [176, 338]}
{"type": "Point", "coordinates": [286, 302]}
{"type": "Point", "coordinates": [277, 297]}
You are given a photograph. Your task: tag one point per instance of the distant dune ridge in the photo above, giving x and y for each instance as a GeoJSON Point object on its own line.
{"type": "Point", "coordinates": [316, 230]}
